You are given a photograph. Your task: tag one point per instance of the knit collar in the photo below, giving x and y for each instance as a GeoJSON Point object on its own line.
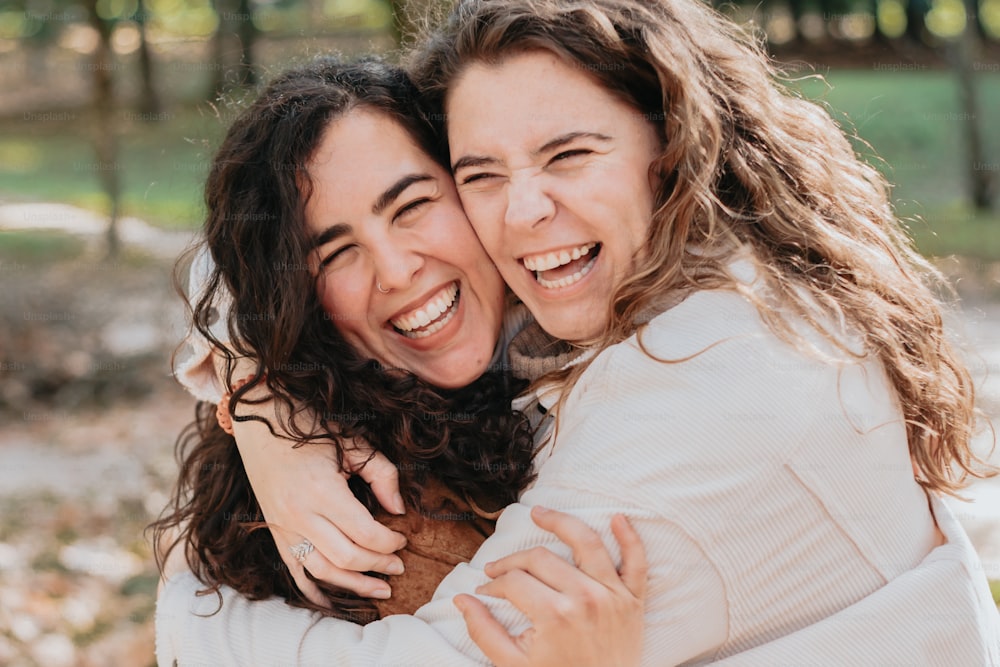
{"type": "Point", "coordinates": [534, 353]}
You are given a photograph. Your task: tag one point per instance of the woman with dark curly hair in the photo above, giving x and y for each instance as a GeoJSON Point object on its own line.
{"type": "Point", "coordinates": [358, 296]}
{"type": "Point", "coordinates": [766, 388]}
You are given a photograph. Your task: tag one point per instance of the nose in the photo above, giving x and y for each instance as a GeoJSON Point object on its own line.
{"type": "Point", "coordinates": [396, 263]}
{"type": "Point", "coordinates": [528, 202]}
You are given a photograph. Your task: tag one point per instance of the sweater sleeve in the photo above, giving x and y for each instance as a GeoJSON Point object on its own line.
{"type": "Point", "coordinates": [271, 632]}
{"type": "Point", "coordinates": [939, 613]}
{"type": "Point", "coordinates": [195, 368]}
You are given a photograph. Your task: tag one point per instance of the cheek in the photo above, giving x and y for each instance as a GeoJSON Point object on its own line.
{"type": "Point", "coordinates": [345, 308]}
{"type": "Point", "coordinates": [326, 296]}
{"type": "Point", "coordinates": [480, 209]}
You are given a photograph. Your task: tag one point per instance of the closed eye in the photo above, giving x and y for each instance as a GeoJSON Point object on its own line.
{"type": "Point", "coordinates": [576, 152]}
{"type": "Point", "coordinates": [476, 177]}
{"type": "Point", "coordinates": [411, 208]}
{"type": "Point", "coordinates": [333, 256]}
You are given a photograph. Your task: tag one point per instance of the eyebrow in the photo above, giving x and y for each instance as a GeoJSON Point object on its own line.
{"type": "Point", "coordinates": [548, 147]}
{"type": "Point", "coordinates": [473, 161]}
{"type": "Point", "coordinates": [329, 234]}
{"type": "Point", "coordinates": [396, 189]}
{"type": "Point", "coordinates": [334, 232]}
{"type": "Point", "coordinates": [569, 137]}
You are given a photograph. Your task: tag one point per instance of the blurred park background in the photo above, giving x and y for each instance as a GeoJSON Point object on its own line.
{"type": "Point", "coordinates": [109, 113]}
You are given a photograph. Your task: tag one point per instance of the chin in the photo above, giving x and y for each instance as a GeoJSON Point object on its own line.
{"type": "Point", "coordinates": [451, 381]}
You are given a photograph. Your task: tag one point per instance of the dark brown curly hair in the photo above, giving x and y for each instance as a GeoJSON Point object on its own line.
{"type": "Point", "coordinates": [468, 439]}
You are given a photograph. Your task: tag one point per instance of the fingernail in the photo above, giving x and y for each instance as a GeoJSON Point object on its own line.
{"type": "Point", "coordinates": [395, 568]}
{"type": "Point", "coordinates": [382, 593]}
{"type": "Point", "coordinates": [397, 502]}
{"type": "Point", "coordinates": [459, 602]}
{"type": "Point", "coordinates": [538, 509]}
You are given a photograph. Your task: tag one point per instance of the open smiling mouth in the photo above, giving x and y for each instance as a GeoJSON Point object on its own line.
{"type": "Point", "coordinates": [554, 270]}
{"type": "Point", "coordinates": [430, 317]}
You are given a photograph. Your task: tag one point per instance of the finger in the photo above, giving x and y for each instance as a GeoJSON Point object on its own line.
{"type": "Point", "coordinates": [489, 635]}
{"type": "Point", "coordinates": [540, 603]}
{"type": "Point", "coordinates": [353, 520]}
{"type": "Point", "coordinates": [635, 567]}
{"type": "Point", "coordinates": [322, 568]}
{"type": "Point", "coordinates": [363, 585]}
{"type": "Point", "coordinates": [304, 584]}
{"type": "Point", "coordinates": [344, 553]}
{"type": "Point", "coordinates": [308, 587]}
{"type": "Point", "coordinates": [382, 476]}
{"type": "Point", "coordinates": [542, 564]}
{"type": "Point", "coordinates": [589, 552]}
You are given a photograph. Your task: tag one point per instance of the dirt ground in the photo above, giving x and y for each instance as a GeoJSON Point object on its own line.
{"type": "Point", "coordinates": [90, 415]}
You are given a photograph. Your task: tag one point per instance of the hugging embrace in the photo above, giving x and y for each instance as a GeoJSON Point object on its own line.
{"type": "Point", "coordinates": [580, 340]}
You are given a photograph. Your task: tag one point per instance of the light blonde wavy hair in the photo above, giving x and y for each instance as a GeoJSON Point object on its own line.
{"type": "Point", "coordinates": [747, 163]}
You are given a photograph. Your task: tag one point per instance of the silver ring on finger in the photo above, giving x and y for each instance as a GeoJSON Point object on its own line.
{"type": "Point", "coordinates": [301, 550]}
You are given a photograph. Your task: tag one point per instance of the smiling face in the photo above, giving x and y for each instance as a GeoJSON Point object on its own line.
{"type": "Point", "coordinates": [553, 171]}
{"type": "Point", "coordinates": [382, 210]}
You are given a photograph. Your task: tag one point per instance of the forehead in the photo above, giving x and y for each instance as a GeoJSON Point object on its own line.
{"type": "Point", "coordinates": [526, 97]}
{"type": "Point", "coordinates": [360, 155]}
{"type": "Point", "coordinates": [363, 138]}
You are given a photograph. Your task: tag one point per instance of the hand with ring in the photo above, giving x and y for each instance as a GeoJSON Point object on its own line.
{"type": "Point", "coordinates": [301, 550]}
{"type": "Point", "coordinates": [317, 523]}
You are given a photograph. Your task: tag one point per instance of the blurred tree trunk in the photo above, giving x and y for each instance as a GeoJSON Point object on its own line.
{"type": "Point", "coordinates": [916, 20]}
{"type": "Point", "coordinates": [963, 54]}
{"type": "Point", "coordinates": [798, 9]}
{"type": "Point", "coordinates": [105, 140]}
{"type": "Point", "coordinates": [236, 33]}
{"type": "Point", "coordinates": [871, 6]}
{"type": "Point", "coordinates": [149, 100]}
{"type": "Point", "coordinates": [217, 51]}
{"type": "Point", "coordinates": [981, 181]}
{"type": "Point", "coordinates": [247, 34]}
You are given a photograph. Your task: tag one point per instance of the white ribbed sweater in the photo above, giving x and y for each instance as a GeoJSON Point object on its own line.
{"type": "Point", "coordinates": [771, 489]}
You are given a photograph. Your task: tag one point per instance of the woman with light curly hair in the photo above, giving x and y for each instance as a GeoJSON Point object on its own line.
{"type": "Point", "coordinates": [762, 382]}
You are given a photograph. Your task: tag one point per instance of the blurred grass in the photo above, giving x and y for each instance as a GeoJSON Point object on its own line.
{"type": "Point", "coordinates": [995, 589]}
{"type": "Point", "coordinates": [914, 122]}
{"type": "Point", "coordinates": [911, 120]}
{"type": "Point", "coordinates": [33, 246]}
{"type": "Point", "coordinates": [162, 164]}
{"type": "Point", "coordinates": [953, 231]}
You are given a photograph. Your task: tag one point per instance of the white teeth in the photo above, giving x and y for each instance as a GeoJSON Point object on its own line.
{"type": "Point", "coordinates": [552, 260]}
{"type": "Point", "coordinates": [438, 304]}
{"type": "Point", "coordinates": [568, 280]}
{"type": "Point", "coordinates": [434, 328]}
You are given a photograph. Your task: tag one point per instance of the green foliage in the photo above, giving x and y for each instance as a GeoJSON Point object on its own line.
{"type": "Point", "coordinates": [24, 247]}
{"type": "Point", "coordinates": [913, 122]}
{"type": "Point", "coordinates": [944, 232]}
{"type": "Point", "coordinates": [163, 164]}
{"type": "Point", "coordinates": [910, 120]}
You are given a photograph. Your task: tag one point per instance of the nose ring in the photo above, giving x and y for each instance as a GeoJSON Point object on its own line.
{"type": "Point", "coordinates": [378, 284]}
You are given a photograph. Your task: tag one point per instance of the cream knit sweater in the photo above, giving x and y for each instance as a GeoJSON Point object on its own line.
{"type": "Point", "coordinates": [773, 492]}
